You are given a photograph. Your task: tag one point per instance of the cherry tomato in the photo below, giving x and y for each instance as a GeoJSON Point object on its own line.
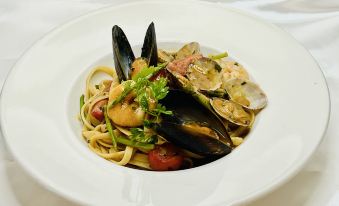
{"type": "Point", "coordinates": [98, 110]}
{"type": "Point", "coordinates": [165, 157]}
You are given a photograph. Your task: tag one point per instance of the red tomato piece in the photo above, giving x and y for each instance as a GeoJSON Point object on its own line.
{"type": "Point", "coordinates": [165, 157]}
{"type": "Point", "coordinates": [98, 110]}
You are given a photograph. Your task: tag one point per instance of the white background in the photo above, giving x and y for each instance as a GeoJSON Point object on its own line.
{"type": "Point", "coordinates": [315, 24]}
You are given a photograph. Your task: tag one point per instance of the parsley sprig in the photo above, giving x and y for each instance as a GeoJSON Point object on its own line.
{"type": "Point", "coordinates": [148, 96]}
{"type": "Point", "coordinates": [152, 92]}
{"type": "Point", "coordinates": [148, 93]}
{"type": "Point", "coordinates": [139, 135]}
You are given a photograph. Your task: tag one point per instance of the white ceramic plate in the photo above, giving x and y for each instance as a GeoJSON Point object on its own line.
{"type": "Point", "coordinates": [41, 96]}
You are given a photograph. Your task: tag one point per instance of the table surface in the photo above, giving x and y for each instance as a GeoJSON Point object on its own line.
{"type": "Point", "coordinates": [314, 23]}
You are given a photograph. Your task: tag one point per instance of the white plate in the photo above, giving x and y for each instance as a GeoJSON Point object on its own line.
{"type": "Point", "coordinates": [41, 96]}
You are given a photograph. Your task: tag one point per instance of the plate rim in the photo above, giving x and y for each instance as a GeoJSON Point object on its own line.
{"type": "Point", "coordinates": [268, 188]}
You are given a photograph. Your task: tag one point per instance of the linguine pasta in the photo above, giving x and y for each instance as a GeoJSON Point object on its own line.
{"type": "Point", "coordinates": [99, 140]}
{"type": "Point", "coordinates": [96, 135]}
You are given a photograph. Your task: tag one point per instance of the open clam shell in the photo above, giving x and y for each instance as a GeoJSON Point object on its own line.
{"type": "Point", "coordinates": [188, 50]}
{"type": "Point", "coordinates": [164, 56]}
{"type": "Point", "coordinates": [205, 74]}
{"type": "Point", "coordinates": [231, 111]}
{"type": "Point", "coordinates": [246, 93]}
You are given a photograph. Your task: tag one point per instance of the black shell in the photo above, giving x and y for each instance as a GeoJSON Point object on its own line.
{"type": "Point", "coordinates": [124, 56]}
{"type": "Point", "coordinates": [187, 110]}
{"type": "Point", "coordinates": [149, 49]}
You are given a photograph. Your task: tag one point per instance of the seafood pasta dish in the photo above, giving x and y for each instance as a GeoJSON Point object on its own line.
{"type": "Point", "coordinates": [167, 110]}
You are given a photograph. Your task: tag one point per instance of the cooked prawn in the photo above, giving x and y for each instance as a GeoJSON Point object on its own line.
{"type": "Point", "coordinates": [127, 113]}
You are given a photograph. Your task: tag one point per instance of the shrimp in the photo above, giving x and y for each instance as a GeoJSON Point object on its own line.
{"type": "Point", "coordinates": [138, 65]}
{"type": "Point", "coordinates": [127, 113]}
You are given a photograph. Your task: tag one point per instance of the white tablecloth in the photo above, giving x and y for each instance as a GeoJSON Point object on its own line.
{"type": "Point", "coordinates": [314, 23]}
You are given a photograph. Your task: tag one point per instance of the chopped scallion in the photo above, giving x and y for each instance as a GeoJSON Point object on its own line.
{"type": "Point", "coordinates": [148, 72]}
{"type": "Point", "coordinates": [218, 56]}
{"type": "Point", "coordinates": [131, 143]}
{"type": "Point", "coordinates": [110, 129]}
{"type": "Point", "coordinates": [82, 101]}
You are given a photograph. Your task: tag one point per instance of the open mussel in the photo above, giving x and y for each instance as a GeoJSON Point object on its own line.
{"type": "Point", "coordinates": [126, 65]}
{"type": "Point", "coordinates": [193, 127]}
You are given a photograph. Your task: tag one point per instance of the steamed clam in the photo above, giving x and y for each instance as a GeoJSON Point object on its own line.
{"type": "Point", "coordinates": [231, 111]}
{"type": "Point", "coordinates": [188, 50]}
{"type": "Point", "coordinates": [205, 74]}
{"type": "Point", "coordinates": [246, 93]}
{"type": "Point", "coordinates": [184, 57]}
{"type": "Point", "coordinates": [164, 56]}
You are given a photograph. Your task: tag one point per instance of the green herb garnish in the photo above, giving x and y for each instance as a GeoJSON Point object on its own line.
{"type": "Point", "coordinates": [218, 56]}
{"type": "Point", "coordinates": [82, 101]}
{"type": "Point", "coordinates": [139, 135]}
{"type": "Point", "coordinates": [148, 93]}
{"type": "Point", "coordinates": [135, 144]}
{"type": "Point", "coordinates": [153, 91]}
{"type": "Point", "coordinates": [148, 72]}
{"type": "Point", "coordinates": [162, 110]}
{"type": "Point", "coordinates": [110, 129]}
{"type": "Point", "coordinates": [159, 88]}
{"type": "Point", "coordinates": [148, 123]}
